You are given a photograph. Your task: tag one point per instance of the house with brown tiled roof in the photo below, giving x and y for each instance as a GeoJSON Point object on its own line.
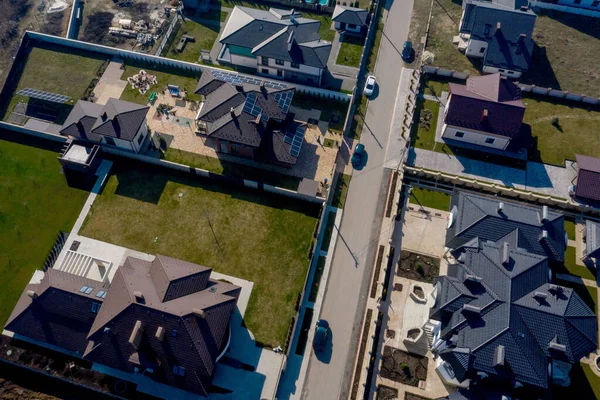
{"type": "Point", "coordinates": [487, 114]}
{"type": "Point", "coordinates": [166, 319]}
{"type": "Point", "coordinates": [588, 178]}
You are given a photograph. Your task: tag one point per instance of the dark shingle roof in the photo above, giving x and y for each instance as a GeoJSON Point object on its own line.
{"type": "Point", "coordinates": [588, 177]}
{"type": "Point", "coordinates": [61, 315]}
{"type": "Point", "coordinates": [350, 15]}
{"type": "Point", "coordinates": [192, 310]}
{"type": "Point", "coordinates": [267, 33]}
{"type": "Point", "coordinates": [507, 49]}
{"type": "Point", "coordinates": [479, 216]}
{"type": "Point", "coordinates": [118, 119]}
{"type": "Point", "coordinates": [518, 314]}
{"type": "Point", "coordinates": [493, 95]}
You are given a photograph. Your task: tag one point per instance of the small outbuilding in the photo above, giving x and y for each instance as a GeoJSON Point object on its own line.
{"type": "Point", "coordinates": [350, 20]}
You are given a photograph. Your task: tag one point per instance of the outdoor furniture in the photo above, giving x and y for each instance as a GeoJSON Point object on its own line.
{"type": "Point", "coordinates": [152, 97]}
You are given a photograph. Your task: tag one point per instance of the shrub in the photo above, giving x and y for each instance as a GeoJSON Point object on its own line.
{"type": "Point", "coordinates": [420, 269]}
{"type": "Point", "coordinates": [405, 368]}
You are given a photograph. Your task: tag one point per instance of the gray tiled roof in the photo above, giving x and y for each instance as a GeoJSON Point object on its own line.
{"type": "Point", "coordinates": [350, 15]}
{"type": "Point", "coordinates": [506, 48]}
{"type": "Point", "coordinates": [592, 238]}
{"type": "Point", "coordinates": [266, 33]}
{"type": "Point", "coordinates": [517, 308]}
{"type": "Point", "coordinates": [478, 216]}
{"type": "Point", "coordinates": [118, 119]}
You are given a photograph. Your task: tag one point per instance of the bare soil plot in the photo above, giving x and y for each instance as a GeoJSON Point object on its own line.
{"type": "Point", "coordinates": [100, 15]}
{"type": "Point", "coordinates": [418, 267]}
{"type": "Point", "coordinates": [400, 366]}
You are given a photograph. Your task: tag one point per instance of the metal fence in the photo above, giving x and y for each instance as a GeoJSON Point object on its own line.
{"type": "Point", "coordinates": [167, 35]}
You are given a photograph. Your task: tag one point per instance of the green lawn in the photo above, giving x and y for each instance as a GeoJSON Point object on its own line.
{"type": "Point", "coordinates": [573, 268]}
{"type": "Point", "coordinates": [570, 228]}
{"type": "Point", "coordinates": [227, 168]}
{"type": "Point", "coordinates": [35, 204]}
{"type": "Point", "coordinates": [187, 83]}
{"type": "Point", "coordinates": [254, 236]}
{"type": "Point", "coordinates": [552, 65]}
{"type": "Point", "coordinates": [425, 131]}
{"type": "Point", "coordinates": [350, 51]}
{"type": "Point", "coordinates": [575, 131]}
{"type": "Point", "coordinates": [430, 198]}
{"type": "Point", "coordinates": [57, 70]}
{"type": "Point", "coordinates": [215, 15]}
{"type": "Point", "coordinates": [205, 35]}
{"type": "Point", "coordinates": [341, 191]}
{"type": "Point", "coordinates": [446, 16]}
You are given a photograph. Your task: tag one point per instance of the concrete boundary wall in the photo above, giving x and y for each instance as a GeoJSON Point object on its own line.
{"type": "Point", "coordinates": [74, 20]}
{"type": "Point", "coordinates": [167, 35]}
{"type": "Point", "coordinates": [558, 94]}
{"type": "Point", "coordinates": [227, 180]}
{"type": "Point", "coordinates": [156, 62]}
{"type": "Point", "coordinates": [563, 8]}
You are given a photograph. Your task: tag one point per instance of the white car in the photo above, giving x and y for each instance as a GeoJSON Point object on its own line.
{"type": "Point", "coordinates": [369, 85]}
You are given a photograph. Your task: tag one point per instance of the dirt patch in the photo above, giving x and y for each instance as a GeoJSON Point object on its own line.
{"type": "Point", "coordinates": [10, 391]}
{"type": "Point", "coordinates": [386, 393]}
{"type": "Point", "coordinates": [418, 267]}
{"type": "Point", "coordinates": [400, 366]}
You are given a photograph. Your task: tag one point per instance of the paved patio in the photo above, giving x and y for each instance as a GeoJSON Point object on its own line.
{"type": "Point", "coordinates": [110, 84]}
{"type": "Point", "coordinates": [424, 230]}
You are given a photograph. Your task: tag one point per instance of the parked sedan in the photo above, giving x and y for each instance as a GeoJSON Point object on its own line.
{"type": "Point", "coordinates": [321, 333]}
{"type": "Point", "coordinates": [407, 51]}
{"type": "Point", "coordinates": [369, 86]}
{"type": "Point", "coordinates": [357, 156]}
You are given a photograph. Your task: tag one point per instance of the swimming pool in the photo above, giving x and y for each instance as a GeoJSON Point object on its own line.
{"type": "Point", "coordinates": [323, 2]}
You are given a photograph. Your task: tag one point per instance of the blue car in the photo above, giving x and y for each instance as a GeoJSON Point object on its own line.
{"type": "Point", "coordinates": [407, 51]}
{"type": "Point", "coordinates": [321, 333]}
{"type": "Point", "coordinates": [357, 156]}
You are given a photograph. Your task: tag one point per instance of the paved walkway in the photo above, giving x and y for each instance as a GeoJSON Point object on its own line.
{"type": "Point", "coordinates": [537, 177]}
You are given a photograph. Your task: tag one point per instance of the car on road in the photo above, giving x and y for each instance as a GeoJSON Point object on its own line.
{"type": "Point", "coordinates": [321, 333]}
{"type": "Point", "coordinates": [357, 156]}
{"type": "Point", "coordinates": [369, 85]}
{"type": "Point", "coordinates": [407, 51]}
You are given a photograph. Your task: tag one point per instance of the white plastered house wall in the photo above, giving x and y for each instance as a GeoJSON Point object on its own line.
{"type": "Point", "coordinates": [287, 70]}
{"type": "Point", "coordinates": [134, 145]}
{"type": "Point", "coordinates": [506, 72]}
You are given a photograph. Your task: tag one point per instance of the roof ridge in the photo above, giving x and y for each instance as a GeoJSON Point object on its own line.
{"type": "Point", "coordinates": [535, 371]}
{"type": "Point", "coordinates": [269, 39]}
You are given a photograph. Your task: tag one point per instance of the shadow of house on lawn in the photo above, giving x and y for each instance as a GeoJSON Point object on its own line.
{"type": "Point", "coordinates": [147, 183]}
{"type": "Point", "coordinates": [540, 72]}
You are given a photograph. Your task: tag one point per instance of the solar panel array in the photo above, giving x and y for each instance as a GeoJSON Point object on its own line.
{"type": "Point", "coordinates": [295, 139]}
{"type": "Point", "coordinates": [41, 95]}
{"type": "Point", "coordinates": [284, 99]}
{"type": "Point", "coordinates": [250, 105]}
{"type": "Point", "coordinates": [239, 79]}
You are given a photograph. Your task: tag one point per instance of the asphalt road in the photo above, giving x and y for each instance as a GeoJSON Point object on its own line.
{"type": "Point", "coordinates": [347, 287]}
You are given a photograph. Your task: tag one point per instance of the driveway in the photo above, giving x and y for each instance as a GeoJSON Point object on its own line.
{"type": "Point", "coordinates": [346, 293]}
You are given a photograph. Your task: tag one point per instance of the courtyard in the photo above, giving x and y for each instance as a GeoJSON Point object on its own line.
{"type": "Point", "coordinates": [254, 236]}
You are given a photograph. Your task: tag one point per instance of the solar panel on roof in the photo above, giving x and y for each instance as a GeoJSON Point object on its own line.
{"type": "Point", "coordinates": [46, 96]}
{"type": "Point", "coordinates": [296, 140]}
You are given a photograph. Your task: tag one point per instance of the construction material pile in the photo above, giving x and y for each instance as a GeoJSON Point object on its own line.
{"type": "Point", "coordinates": [142, 81]}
